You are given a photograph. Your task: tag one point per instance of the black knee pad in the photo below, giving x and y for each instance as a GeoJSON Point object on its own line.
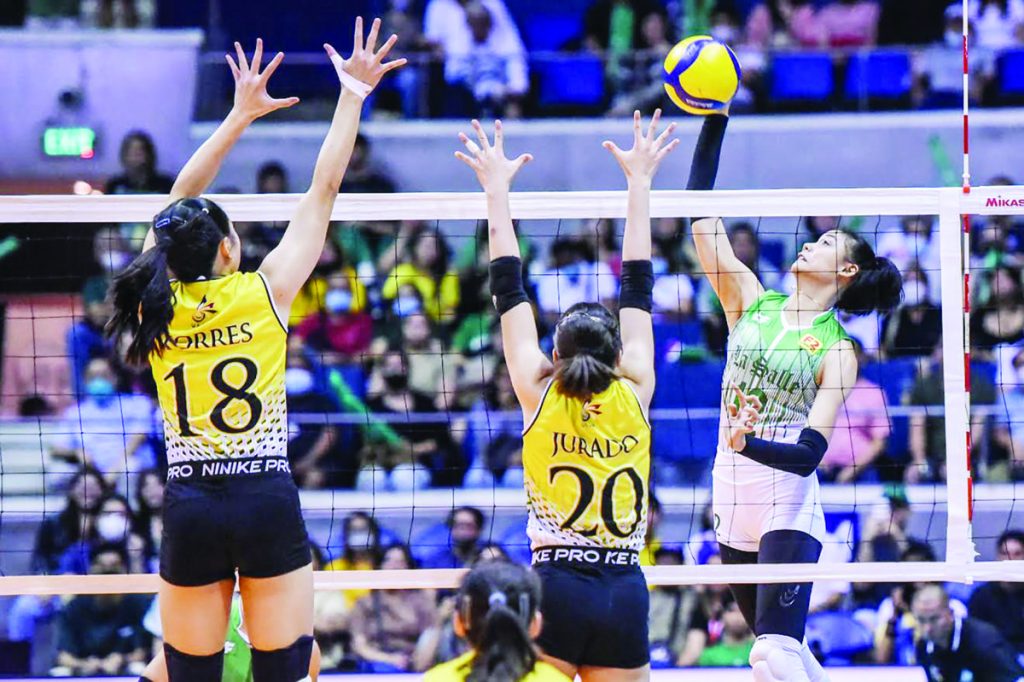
{"type": "Point", "coordinates": [290, 664]}
{"type": "Point", "coordinates": [183, 667]}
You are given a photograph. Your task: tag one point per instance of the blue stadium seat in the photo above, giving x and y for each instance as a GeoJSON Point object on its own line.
{"type": "Point", "coordinates": [1011, 73]}
{"type": "Point", "coordinates": [896, 378]}
{"type": "Point", "coordinates": [676, 440]}
{"type": "Point", "coordinates": [570, 80]}
{"type": "Point", "coordinates": [773, 251]}
{"type": "Point", "coordinates": [801, 77]}
{"type": "Point", "coordinates": [686, 333]}
{"type": "Point", "coordinates": [879, 74]}
{"type": "Point", "coordinates": [838, 636]}
{"type": "Point", "coordinates": [549, 32]}
{"type": "Point", "coordinates": [683, 384]}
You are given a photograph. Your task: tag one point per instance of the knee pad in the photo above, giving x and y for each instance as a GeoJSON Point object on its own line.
{"type": "Point", "coordinates": [290, 664]}
{"type": "Point", "coordinates": [183, 667]}
{"type": "Point", "coordinates": [776, 658]}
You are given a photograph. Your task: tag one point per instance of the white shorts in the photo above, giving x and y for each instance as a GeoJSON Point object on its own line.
{"type": "Point", "coordinates": [750, 499]}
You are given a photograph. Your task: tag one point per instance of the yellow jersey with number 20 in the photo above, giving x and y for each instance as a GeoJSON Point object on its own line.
{"type": "Point", "coordinates": [458, 670]}
{"type": "Point", "coordinates": [220, 379]}
{"type": "Point", "coordinates": [586, 466]}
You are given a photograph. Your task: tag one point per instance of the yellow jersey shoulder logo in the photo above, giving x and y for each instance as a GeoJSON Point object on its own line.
{"type": "Point", "coordinates": [591, 409]}
{"type": "Point", "coordinates": [810, 343]}
{"type": "Point", "coordinates": [202, 310]}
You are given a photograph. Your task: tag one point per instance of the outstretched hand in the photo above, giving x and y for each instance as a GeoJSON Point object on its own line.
{"type": "Point", "coordinates": [642, 161]}
{"type": "Point", "coordinates": [367, 62]}
{"type": "Point", "coordinates": [744, 413]}
{"type": "Point", "coordinates": [493, 169]}
{"type": "Point", "coordinates": [251, 97]}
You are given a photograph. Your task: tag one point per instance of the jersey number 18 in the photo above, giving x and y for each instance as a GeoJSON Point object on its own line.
{"type": "Point", "coordinates": [230, 393]}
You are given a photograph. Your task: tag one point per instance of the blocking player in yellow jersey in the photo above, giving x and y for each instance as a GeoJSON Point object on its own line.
{"type": "Point", "coordinates": [586, 447]}
{"type": "Point", "coordinates": [216, 344]}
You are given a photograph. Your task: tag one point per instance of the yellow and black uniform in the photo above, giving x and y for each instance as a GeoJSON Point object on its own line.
{"type": "Point", "coordinates": [458, 670]}
{"type": "Point", "coordinates": [230, 499]}
{"type": "Point", "coordinates": [587, 465]}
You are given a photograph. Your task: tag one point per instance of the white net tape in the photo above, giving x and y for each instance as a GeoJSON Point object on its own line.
{"type": "Point", "coordinates": [947, 203]}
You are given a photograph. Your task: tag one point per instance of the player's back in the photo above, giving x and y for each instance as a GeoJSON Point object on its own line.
{"type": "Point", "coordinates": [587, 465]}
{"type": "Point", "coordinates": [220, 379]}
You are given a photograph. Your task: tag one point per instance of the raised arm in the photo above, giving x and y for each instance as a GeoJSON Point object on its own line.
{"type": "Point", "coordinates": [639, 165]}
{"type": "Point", "coordinates": [527, 365]}
{"type": "Point", "coordinates": [736, 286]}
{"type": "Point", "coordinates": [252, 101]}
{"type": "Point", "coordinates": [289, 265]}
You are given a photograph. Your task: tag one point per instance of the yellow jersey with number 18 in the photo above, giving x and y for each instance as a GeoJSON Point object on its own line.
{"type": "Point", "coordinates": [220, 379]}
{"type": "Point", "coordinates": [587, 465]}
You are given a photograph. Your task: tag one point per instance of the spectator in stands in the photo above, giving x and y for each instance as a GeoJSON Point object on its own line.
{"type": "Point", "coordinates": [330, 617]}
{"type": "Point", "coordinates": [938, 69]}
{"type": "Point", "coordinates": [363, 175]}
{"type": "Point", "coordinates": [1009, 425]}
{"type": "Point", "coordinates": [119, 14]}
{"type": "Point", "coordinates": [113, 251]}
{"type": "Point", "coordinates": [360, 549]}
{"type": "Point", "coordinates": [952, 647]}
{"type": "Point", "coordinates": [573, 276]}
{"type": "Point", "coordinates": [31, 622]}
{"type": "Point", "coordinates": [732, 649]}
{"type": "Point", "coordinates": [103, 634]}
{"type": "Point", "coordinates": [260, 238]}
{"type": "Point", "coordinates": [677, 625]}
{"type": "Point", "coordinates": [785, 23]}
{"type": "Point", "coordinates": [343, 331]}
{"type": "Point", "coordinates": [86, 340]}
{"type": "Point", "coordinates": [1000, 317]}
{"type": "Point", "coordinates": [640, 79]}
{"type": "Point", "coordinates": [911, 22]}
{"type": "Point", "coordinates": [114, 526]}
{"type": "Point", "coordinates": [494, 435]}
{"type": "Point", "coordinates": [139, 174]}
{"type": "Point", "coordinates": [850, 23]}
{"type": "Point", "coordinates": [107, 429]}
{"type": "Point", "coordinates": [1001, 604]}
{"type": "Point", "coordinates": [311, 299]}
{"type": "Point", "coordinates": [860, 432]}
{"type": "Point", "coordinates": [432, 370]}
{"type": "Point", "coordinates": [916, 244]}
{"type": "Point", "coordinates": [703, 544]}
{"type": "Point", "coordinates": [747, 247]}
{"type": "Point", "coordinates": [404, 94]}
{"type": "Point", "coordinates": [423, 447]}
{"type": "Point", "coordinates": [312, 447]}
{"type": "Point", "coordinates": [425, 268]}
{"type": "Point", "coordinates": [389, 627]}
{"type": "Point", "coordinates": [57, 533]}
{"type": "Point", "coordinates": [927, 433]}
{"type": "Point", "coordinates": [915, 328]}
{"type": "Point", "coordinates": [465, 528]}
{"type": "Point", "coordinates": [51, 14]}
{"type": "Point", "coordinates": [995, 242]}
{"type": "Point", "coordinates": [673, 291]}
{"type": "Point", "coordinates": [896, 628]}
{"type": "Point", "coordinates": [149, 525]}
{"type": "Point", "coordinates": [999, 23]}
{"type": "Point", "coordinates": [885, 536]}
{"type": "Point", "coordinates": [617, 26]}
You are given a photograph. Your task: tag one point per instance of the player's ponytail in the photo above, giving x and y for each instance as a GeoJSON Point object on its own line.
{"type": "Point", "coordinates": [588, 344]}
{"type": "Point", "coordinates": [877, 286]}
{"type": "Point", "coordinates": [188, 233]}
{"type": "Point", "coordinates": [498, 601]}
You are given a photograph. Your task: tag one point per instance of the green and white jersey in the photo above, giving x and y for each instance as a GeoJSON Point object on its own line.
{"type": "Point", "coordinates": [779, 363]}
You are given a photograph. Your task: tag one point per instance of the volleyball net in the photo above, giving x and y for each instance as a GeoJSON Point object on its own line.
{"type": "Point", "coordinates": [401, 410]}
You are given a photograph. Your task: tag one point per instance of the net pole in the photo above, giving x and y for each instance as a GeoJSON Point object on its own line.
{"type": "Point", "coordinates": [966, 255]}
{"type": "Point", "coordinates": [956, 378]}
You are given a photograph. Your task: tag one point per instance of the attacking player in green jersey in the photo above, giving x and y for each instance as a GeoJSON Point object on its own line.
{"type": "Point", "coordinates": [789, 367]}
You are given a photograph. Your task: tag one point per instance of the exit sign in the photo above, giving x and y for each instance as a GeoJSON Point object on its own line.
{"type": "Point", "coordinates": [64, 142]}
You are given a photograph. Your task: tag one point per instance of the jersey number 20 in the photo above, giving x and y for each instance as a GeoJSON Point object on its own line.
{"type": "Point", "coordinates": [230, 393]}
{"type": "Point", "coordinates": [587, 489]}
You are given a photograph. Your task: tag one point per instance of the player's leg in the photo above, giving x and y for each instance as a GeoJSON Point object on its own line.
{"type": "Point", "coordinates": [195, 623]}
{"type": "Point", "coordinates": [745, 594]}
{"type": "Point", "coordinates": [782, 610]}
{"type": "Point", "coordinates": [279, 620]}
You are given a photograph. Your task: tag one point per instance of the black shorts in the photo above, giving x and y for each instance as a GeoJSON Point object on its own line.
{"type": "Point", "coordinates": [216, 525]}
{"type": "Point", "coordinates": [595, 613]}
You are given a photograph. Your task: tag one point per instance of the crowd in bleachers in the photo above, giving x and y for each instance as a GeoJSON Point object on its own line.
{"type": "Point", "coordinates": [491, 57]}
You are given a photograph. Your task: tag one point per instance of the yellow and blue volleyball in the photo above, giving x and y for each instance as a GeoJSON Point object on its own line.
{"type": "Point", "coordinates": [701, 75]}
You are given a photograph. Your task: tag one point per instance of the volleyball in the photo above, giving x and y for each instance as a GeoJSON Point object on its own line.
{"type": "Point", "coordinates": [701, 75]}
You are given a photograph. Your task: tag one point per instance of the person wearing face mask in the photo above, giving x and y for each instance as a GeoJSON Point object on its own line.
{"type": "Point", "coordinates": [465, 526]}
{"type": "Point", "coordinates": [57, 533]}
{"type": "Point", "coordinates": [107, 429]}
{"type": "Point", "coordinates": [104, 634]}
{"type": "Point", "coordinates": [343, 329]}
{"type": "Point", "coordinates": [938, 69]}
{"type": "Point", "coordinates": [312, 447]}
{"type": "Point", "coordinates": [425, 268]}
{"type": "Point", "coordinates": [425, 452]}
{"type": "Point", "coordinates": [114, 525]}
{"type": "Point", "coordinates": [1000, 317]}
{"type": "Point", "coordinates": [85, 338]}
{"type": "Point", "coordinates": [360, 550]}
{"type": "Point", "coordinates": [915, 329]}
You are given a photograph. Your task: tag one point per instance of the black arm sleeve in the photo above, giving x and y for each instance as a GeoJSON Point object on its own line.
{"type": "Point", "coordinates": [800, 458]}
{"type": "Point", "coordinates": [704, 167]}
{"type": "Point", "coordinates": [507, 290]}
{"type": "Point", "coordinates": [637, 285]}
